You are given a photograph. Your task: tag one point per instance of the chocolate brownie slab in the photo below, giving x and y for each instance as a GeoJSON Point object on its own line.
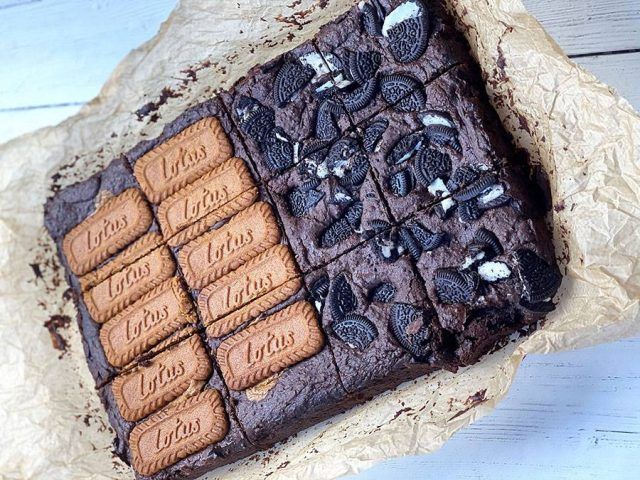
{"type": "Point", "coordinates": [495, 272]}
{"type": "Point", "coordinates": [380, 325]}
{"type": "Point", "coordinates": [233, 446]}
{"type": "Point", "coordinates": [422, 156]}
{"type": "Point", "coordinates": [280, 373]}
{"type": "Point", "coordinates": [329, 203]}
{"type": "Point", "coordinates": [283, 106]}
{"type": "Point", "coordinates": [384, 52]}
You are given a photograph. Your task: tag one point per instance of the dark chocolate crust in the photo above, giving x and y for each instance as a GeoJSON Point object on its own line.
{"type": "Point", "coordinates": [386, 238]}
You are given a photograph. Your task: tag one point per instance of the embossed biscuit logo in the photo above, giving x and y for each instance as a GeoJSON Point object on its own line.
{"type": "Point", "coordinates": [148, 389]}
{"type": "Point", "coordinates": [217, 253]}
{"type": "Point", "coordinates": [182, 159]}
{"type": "Point", "coordinates": [178, 431]}
{"type": "Point", "coordinates": [256, 278]}
{"type": "Point", "coordinates": [269, 346]}
{"type": "Point", "coordinates": [204, 196]}
{"type": "Point", "coordinates": [145, 323]}
{"type": "Point", "coordinates": [126, 286]}
{"type": "Point", "coordinates": [118, 222]}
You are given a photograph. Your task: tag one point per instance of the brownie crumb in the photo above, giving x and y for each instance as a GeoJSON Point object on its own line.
{"type": "Point", "coordinates": [54, 324]}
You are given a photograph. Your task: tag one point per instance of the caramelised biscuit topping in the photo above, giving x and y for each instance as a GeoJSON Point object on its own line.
{"type": "Point", "coordinates": [347, 217]}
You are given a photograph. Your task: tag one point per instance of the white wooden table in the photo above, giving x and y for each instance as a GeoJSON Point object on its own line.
{"type": "Point", "coordinates": [573, 415]}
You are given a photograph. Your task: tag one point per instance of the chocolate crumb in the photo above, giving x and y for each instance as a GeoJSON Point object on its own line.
{"type": "Point", "coordinates": [54, 324]}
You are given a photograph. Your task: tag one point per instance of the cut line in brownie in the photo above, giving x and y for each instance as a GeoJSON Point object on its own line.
{"type": "Point", "coordinates": [384, 53]}
{"type": "Point", "coordinates": [380, 325]}
{"type": "Point", "coordinates": [283, 107]}
{"type": "Point", "coordinates": [328, 204]}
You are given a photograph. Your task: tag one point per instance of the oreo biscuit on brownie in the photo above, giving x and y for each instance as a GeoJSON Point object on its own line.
{"type": "Point", "coordinates": [380, 325]}
{"type": "Point", "coordinates": [422, 156]}
{"type": "Point", "coordinates": [114, 258]}
{"type": "Point", "coordinates": [328, 203]}
{"type": "Point", "coordinates": [285, 107]}
{"type": "Point", "coordinates": [280, 372]}
{"type": "Point", "coordinates": [384, 52]}
{"type": "Point", "coordinates": [495, 272]}
{"type": "Point", "coordinates": [195, 431]}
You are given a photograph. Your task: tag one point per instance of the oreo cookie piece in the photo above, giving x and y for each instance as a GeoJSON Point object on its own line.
{"type": "Point", "coordinates": [254, 119]}
{"type": "Point", "coordinates": [361, 96]}
{"type": "Point", "coordinates": [407, 29]}
{"type": "Point", "coordinates": [431, 164]}
{"type": "Point", "coordinates": [405, 148]}
{"type": "Point", "coordinates": [476, 188]}
{"type": "Point", "coordinates": [538, 307]}
{"type": "Point", "coordinates": [373, 133]}
{"type": "Point", "coordinates": [455, 286]}
{"type": "Point", "coordinates": [335, 233]}
{"type": "Point", "coordinates": [326, 125]}
{"type": "Point", "coordinates": [357, 174]}
{"type": "Point", "coordinates": [442, 135]}
{"type": "Point", "coordinates": [409, 326]}
{"type": "Point", "coordinates": [278, 150]}
{"type": "Point", "coordinates": [383, 292]}
{"type": "Point", "coordinates": [401, 183]}
{"type": "Point", "coordinates": [427, 240]}
{"type": "Point", "coordinates": [355, 330]}
{"type": "Point", "coordinates": [410, 243]}
{"type": "Point", "coordinates": [302, 200]}
{"type": "Point", "coordinates": [342, 300]}
{"type": "Point", "coordinates": [290, 79]}
{"type": "Point", "coordinates": [397, 87]}
{"type": "Point", "coordinates": [362, 66]}
{"type": "Point", "coordinates": [371, 17]}
{"type": "Point", "coordinates": [462, 175]}
{"type": "Point", "coordinates": [540, 281]}
{"type": "Point", "coordinates": [353, 215]}
{"type": "Point", "coordinates": [469, 212]}
{"type": "Point", "coordinates": [340, 195]}
{"type": "Point", "coordinates": [485, 241]}
{"type": "Point", "coordinates": [320, 288]}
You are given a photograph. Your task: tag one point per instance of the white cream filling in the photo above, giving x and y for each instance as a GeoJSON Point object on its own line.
{"type": "Point", "coordinates": [468, 261]}
{"type": "Point", "coordinates": [447, 204]}
{"type": "Point", "coordinates": [491, 193]}
{"type": "Point", "coordinates": [403, 12]}
{"type": "Point", "coordinates": [437, 188]}
{"type": "Point", "coordinates": [494, 271]}
{"type": "Point", "coordinates": [342, 197]}
{"type": "Point", "coordinates": [315, 61]}
{"type": "Point", "coordinates": [436, 118]}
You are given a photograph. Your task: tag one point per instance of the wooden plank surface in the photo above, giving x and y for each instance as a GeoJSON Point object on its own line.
{"type": "Point", "coordinates": [571, 415]}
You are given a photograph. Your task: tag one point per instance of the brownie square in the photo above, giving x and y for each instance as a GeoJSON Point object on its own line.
{"type": "Point", "coordinates": [420, 157]}
{"type": "Point", "coordinates": [494, 273]}
{"type": "Point", "coordinates": [329, 204]}
{"type": "Point", "coordinates": [385, 52]}
{"type": "Point", "coordinates": [234, 446]}
{"type": "Point", "coordinates": [367, 304]}
{"type": "Point", "coordinates": [283, 106]}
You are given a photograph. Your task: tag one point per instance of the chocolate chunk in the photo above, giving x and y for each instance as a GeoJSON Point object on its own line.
{"type": "Point", "coordinates": [408, 37]}
{"type": "Point", "coordinates": [409, 326]}
{"type": "Point", "coordinates": [355, 330]}
{"type": "Point", "coordinates": [371, 17]}
{"type": "Point", "coordinates": [361, 96]}
{"type": "Point", "coordinates": [254, 119]}
{"type": "Point", "coordinates": [383, 292]}
{"type": "Point", "coordinates": [431, 164]}
{"type": "Point", "coordinates": [485, 241]}
{"type": "Point", "coordinates": [405, 148]}
{"type": "Point", "coordinates": [410, 243]}
{"type": "Point", "coordinates": [373, 133]}
{"type": "Point", "coordinates": [342, 300]}
{"type": "Point", "coordinates": [476, 188]}
{"type": "Point", "coordinates": [302, 200]}
{"type": "Point", "coordinates": [454, 286]}
{"type": "Point", "coordinates": [362, 66]}
{"type": "Point", "coordinates": [278, 150]}
{"type": "Point", "coordinates": [397, 88]}
{"type": "Point", "coordinates": [401, 183]}
{"type": "Point", "coordinates": [291, 78]}
{"type": "Point", "coordinates": [540, 280]}
{"type": "Point", "coordinates": [426, 239]}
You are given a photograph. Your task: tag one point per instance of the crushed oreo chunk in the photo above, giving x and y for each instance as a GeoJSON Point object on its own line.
{"type": "Point", "coordinates": [302, 200]}
{"type": "Point", "coordinates": [405, 148]}
{"type": "Point", "coordinates": [373, 134]}
{"type": "Point", "coordinates": [362, 66]}
{"type": "Point", "coordinates": [290, 79]}
{"type": "Point", "coordinates": [279, 150]}
{"type": "Point", "coordinates": [360, 97]}
{"type": "Point", "coordinates": [407, 29]}
{"type": "Point", "coordinates": [454, 286]}
{"type": "Point", "coordinates": [398, 87]}
{"type": "Point", "coordinates": [485, 241]}
{"type": "Point", "coordinates": [401, 183]}
{"type": "Point", "coordinates": [409, 325]}
{"type": "Point", "coordinates": [540, 280]}
{"type": "Point", "coordinates": [355, 330]}
{"type": "Point", "coordinates": [326, 123]}
{"type": "Point", "coordinates": [335, 233]}
{"type": "Point", "coordinates": [476, 188]}
{"type": "Point", "coordinates": [371, 17]}
{"type": "Point", "coordinates": [410, 243]}
{"type": "Point", "coordinates": [342, 300]}
{"type": "Point", "coordinates": [254, 119]}
{"type": "Point", "coordinates": [383, 292]}
{"type": "Point", "coordinates": [427, 239]}
{"type": "Point", "coordinates": [431, 164]}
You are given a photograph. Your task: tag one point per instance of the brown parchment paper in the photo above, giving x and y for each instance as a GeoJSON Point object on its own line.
{"type": "Point", "coordinates": [585, 136]}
